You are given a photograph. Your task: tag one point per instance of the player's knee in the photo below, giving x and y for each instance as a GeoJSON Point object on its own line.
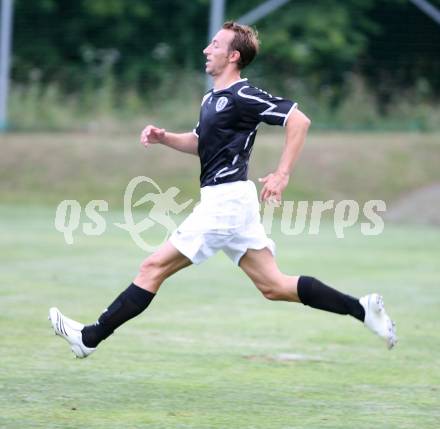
{"type": "Point", "coordinates": [152, 268]}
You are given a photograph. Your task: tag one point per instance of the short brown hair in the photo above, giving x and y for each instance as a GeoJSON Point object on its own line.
{"type": "Point", "coordinates": [245, 41]}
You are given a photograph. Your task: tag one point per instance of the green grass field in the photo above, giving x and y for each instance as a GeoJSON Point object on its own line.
{"type": "Point", "coordinates": [210, 352]}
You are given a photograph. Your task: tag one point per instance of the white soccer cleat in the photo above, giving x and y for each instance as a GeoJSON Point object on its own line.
{"type": "Point", "coordinates": [70, 331]}
{"type": "Point", "coordinates": [377, 320]}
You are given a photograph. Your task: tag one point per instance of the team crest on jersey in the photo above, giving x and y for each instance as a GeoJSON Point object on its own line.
{"type": "Point", "coordinates": [221, 104]}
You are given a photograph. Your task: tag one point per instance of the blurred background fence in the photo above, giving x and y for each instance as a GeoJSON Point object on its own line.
{"type": "Point", "coordinates": [352, 65]}
{"type": "Point", "coordinates": [87, 76]}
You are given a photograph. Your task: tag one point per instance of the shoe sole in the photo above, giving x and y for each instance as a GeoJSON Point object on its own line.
{"type": "Point", "coordinates": [380, 308]}
{"type": "Point", "coordinates": [77, 351]}
{"type": "Point", "coordinates": [376, 304]}
{"type": "Point", "coordinates": [392, 338]}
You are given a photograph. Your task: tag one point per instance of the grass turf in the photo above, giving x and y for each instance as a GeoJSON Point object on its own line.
{"type": "Point", "coordinates": [210, 352]}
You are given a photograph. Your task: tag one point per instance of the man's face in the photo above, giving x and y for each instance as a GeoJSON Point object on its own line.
{"type": "Point", "coordinates": [217, 52]}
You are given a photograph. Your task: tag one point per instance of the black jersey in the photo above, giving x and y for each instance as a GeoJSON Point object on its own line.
{"type": "Point", "coordinates": [228, 122]}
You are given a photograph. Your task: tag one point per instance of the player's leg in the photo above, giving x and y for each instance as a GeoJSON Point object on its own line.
{"type": "Point", "coordinates": [162, 264]}
{"type": "Point", "coordinates": [262, 269]}
{"type": "Point", "coordinates": [130, 303]}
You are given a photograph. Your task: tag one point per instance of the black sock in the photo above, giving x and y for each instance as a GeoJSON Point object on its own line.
{"type": "Point", "coordinates": [133, 301]}
{"type": "Point", "coordinates": [316, 294]}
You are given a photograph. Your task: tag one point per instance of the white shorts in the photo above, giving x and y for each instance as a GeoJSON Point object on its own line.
{"type": "Point", "coordinates": [227, 218]}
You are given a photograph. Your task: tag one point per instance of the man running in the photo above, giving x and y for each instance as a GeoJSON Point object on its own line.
{"type": "Point", "coordinates": [228, 217]}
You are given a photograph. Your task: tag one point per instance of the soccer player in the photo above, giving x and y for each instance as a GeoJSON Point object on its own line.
{"type": "Point", "coordinates": [228, 217]}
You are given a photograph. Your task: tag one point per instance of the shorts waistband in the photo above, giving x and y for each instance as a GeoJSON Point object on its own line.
{"type": "Point", "coordinates": [230, 189]}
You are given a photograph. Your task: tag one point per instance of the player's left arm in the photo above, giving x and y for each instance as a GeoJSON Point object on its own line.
{"type": "Point", "coordinates": [297, 125]}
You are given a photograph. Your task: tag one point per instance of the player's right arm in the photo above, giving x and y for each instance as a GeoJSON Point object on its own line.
{"type": "Point", "coordinates": [183, 142]}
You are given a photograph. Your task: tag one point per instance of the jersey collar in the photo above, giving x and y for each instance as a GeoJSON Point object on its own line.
{"type": "Point", "coordinates": [232, 84]}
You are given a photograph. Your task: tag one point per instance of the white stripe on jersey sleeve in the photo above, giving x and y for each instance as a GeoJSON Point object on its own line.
{"type": "Point", "coordinates": [268, 111]}
{"type": "Point", "coordinates": [295, 105]}
{"type": "Point", "coordinates": [205, 97]}
{"type": "Point", "coordinates": [194, 130]}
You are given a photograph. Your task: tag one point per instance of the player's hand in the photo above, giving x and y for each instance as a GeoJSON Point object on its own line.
{"type": "Point", "coordinates": [274, 185]}
{"type": "Point", "coordinates": [152, 134]}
